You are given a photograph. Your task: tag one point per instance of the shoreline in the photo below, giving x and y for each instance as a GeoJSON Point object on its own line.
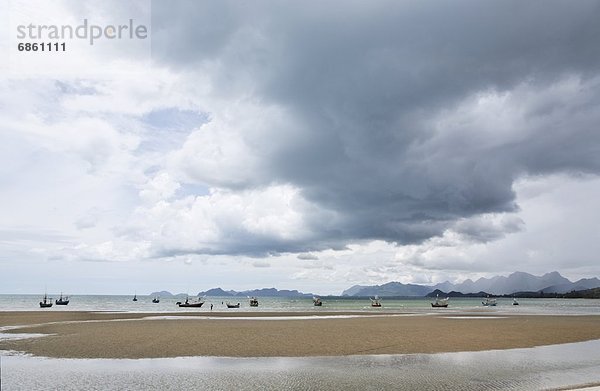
{"type": "Point", "coordinates": [71, 334]}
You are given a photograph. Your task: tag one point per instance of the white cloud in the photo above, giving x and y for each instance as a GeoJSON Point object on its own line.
{"type": "Point", "coordinates": [88, 220]}
{"type": "Point", "coordinates": [232, 149]}
{"type": "Point", "coordinates": [223, 221]}
{"type": "Point", "coordinates": [161, 187]}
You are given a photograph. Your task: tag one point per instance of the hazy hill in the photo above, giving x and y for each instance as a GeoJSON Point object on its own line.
{"type": "Point", "coordinates": [217, 292]}
{"type": "Point", "coordinates": [440, 293]}
{"type": "Point", "coordinates": [593, 293]}
{"type": "Point", "coordinates": [517, 281]}
{"type": "Point", "coordinates": [583, 284]}
{"type": "Point", "coordinates": [162, 294]}
{"type": "Point", "coordinates": [352, 291]}
{"type": "Point", "coordinates": [498, 285]}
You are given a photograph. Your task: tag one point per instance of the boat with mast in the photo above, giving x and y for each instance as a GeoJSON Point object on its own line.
{"type": "Point", "coordinates": [376, 302]}
{"type": "Point", "coordinates": [253, 302]}
{"type": "Point", "coordinates": [440, 303]}
{"type": "Point", "coordinates": [62, 300]}
{"type": "Point", "coordinates": [187, 303]}
{"type": "Point", "coordinates": [46, 302]}
{"type": "Point", "coordinates": [489, 302]}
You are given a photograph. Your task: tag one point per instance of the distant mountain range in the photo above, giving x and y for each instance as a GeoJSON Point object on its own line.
{"type": "Point", "coordinates": [498, 285]}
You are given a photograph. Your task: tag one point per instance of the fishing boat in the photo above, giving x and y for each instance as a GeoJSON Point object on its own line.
{"type": "Point", "coordinates": [46, 302]}
{"type": "Point", "coordinates": [62, 300]}
{"type": "Point", "coordinates": [187, 303]}
{"type": "Point", "coordinates": [489, 302]}
{"type": "Point", "coordinates": [440, 303]}
{"type": "Point", "coordinates": [515, 302]}
{"type": "Point", "coordinates": [253, 302]}
{"type": "Point", "coordinates": [317, 302]}
{"type": "Point", "coordinates": [135, 297]}
{"type": "Point", "coordinates": [156, 300]}
{"type": "Point", "coordinates": [229, 305]}
{"type": "Point", "coordinates": [376, 302]}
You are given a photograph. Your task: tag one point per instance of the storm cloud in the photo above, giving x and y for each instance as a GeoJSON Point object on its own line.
{"type": "Point", "coordinates": [394, 120]}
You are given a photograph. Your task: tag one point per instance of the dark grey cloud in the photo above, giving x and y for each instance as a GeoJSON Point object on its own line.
{"type": "Point", "coordinates": [374, 91]}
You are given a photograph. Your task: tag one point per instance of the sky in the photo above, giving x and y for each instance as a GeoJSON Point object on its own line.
{"type": "Point", "coordinates": [301, 145]}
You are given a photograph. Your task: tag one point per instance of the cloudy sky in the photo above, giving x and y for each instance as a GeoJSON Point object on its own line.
{"type": "Point", "coordinates": [306, 145]}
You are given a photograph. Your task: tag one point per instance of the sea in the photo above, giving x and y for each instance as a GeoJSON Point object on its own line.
{"type": "Point", "coordinates": [144, 303]}
{"type": "Point", "coordinates": [565, 366]}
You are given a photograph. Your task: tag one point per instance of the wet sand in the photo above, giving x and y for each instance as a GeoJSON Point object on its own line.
{"type": "Point", "coordinates": [129, 335]}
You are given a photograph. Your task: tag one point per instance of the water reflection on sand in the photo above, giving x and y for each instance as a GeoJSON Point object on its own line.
{"type": "Point", "coordinates": [519, 369]}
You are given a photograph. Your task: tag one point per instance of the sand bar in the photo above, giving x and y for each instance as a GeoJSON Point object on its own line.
{"type": "Point", "coordinates": [129, 335]}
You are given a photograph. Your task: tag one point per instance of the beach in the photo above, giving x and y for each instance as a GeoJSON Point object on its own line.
{"type": "Point", "coordinates": [269, 334]}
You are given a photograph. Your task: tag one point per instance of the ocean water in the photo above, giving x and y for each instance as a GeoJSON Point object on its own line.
{"type": "Point", "coordinates": [276, 304]}
{"type": "Point", "coordinates": [541, 368]}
